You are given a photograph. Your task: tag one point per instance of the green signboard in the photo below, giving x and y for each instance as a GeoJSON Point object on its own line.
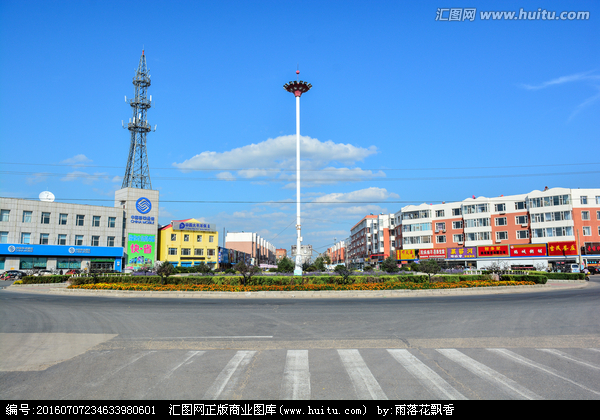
{"type": "Point", "coordinates": [140, 251]}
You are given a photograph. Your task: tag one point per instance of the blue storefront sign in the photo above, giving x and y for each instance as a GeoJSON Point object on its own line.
{"type": "Point", "coordinates": [60, 250]}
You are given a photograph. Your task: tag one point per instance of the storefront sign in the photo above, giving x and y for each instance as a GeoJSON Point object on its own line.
{"type": "Point", "coordinates": [192, 225]}
{"type": "Point", "coordinates": [493, 251]}
{"type": "Point", "coordinates": [562, 248]}
{"type": "Point", "coordinates": [591, 248]}
{"type": "Point", "coordinates": [532, 250]}
{"type": "Point", "coordinates": [140, 250]}
{"type": "Point", "coordinates": [405, 254]}
{"type": "Point", "coordinates": [61, 250]}
{"type": "Point", "coordinates": [462, 253]}
{"type": "Point", "coordinates": [432, 253]}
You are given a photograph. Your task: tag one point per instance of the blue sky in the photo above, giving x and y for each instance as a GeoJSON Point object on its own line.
{"type": "Point", "coordinates": [404, 109]}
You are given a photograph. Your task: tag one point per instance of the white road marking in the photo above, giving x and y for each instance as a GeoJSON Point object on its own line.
{"type": "Point", "coordinates": [229, 376]}
{"type": "Point", "coordinates": [365, 384]}
{"type": "Point", "coordinates": [488, 374]}
{"type": "Point", "coordinates": [425, 375]}
{"type": "Point", "coordinates": [571, 358]}
{"type": "Point", "coordinates": [524, 361]}
{"type": "Point", "coordinates": [296, 376]}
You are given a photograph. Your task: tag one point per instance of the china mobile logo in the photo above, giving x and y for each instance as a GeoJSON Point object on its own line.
{"type": "Point", "coordinates": [143, 205]}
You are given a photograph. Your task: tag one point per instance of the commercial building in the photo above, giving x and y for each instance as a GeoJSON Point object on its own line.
{"type": "Point", "coordinates": [553, 227]}
{"type": "Point", "coordinates": [189, 242]}
{"type": "Point", "coordinates": [260, 250]}
{"type": "Point", "coordinates": [372, 240]}
{"type": "Point", "coordinates": [63, 236]}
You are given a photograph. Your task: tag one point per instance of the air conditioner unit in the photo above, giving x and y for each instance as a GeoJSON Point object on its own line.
{"type": "Point", "coordinates": [460, 242]}
{"type": "Point", "coordinates": [498, 241]}
{"type": "Point", "coordinates": [444, 231]}
{"type": "Point", "coordinates": [524, 225]}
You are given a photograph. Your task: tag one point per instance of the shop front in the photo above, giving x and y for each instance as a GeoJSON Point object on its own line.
{"type": "Point", "coordinates": [60, 257]}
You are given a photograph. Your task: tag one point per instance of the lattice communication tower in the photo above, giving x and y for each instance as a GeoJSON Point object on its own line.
{"type": "Point", "coordinates": [137, 174]}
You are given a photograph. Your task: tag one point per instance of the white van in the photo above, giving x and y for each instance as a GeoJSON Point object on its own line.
{"type": "Point", "coordinates": [574, 268]}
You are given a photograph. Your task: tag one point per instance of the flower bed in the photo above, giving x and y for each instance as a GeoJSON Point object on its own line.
{"type": "Point", "coordinates": [390, 285]}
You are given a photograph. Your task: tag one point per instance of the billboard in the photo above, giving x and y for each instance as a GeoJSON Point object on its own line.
{"type": "Point", "coordinates": [462, 253]}
{"type": "Point", "coordinates": [591, 248]}
{"type": "Point", "coordinates": [529, 250]}
{"type": "Point", "coordinates": [562, 248]}
{"type": "Point", "coordinates": [193, 226]}
{"type": "Point", "coordinates": [140, 250]}
{"type": "Point", "coordinates": [405, 254]}
{"type": "Point", "coordinates": [432, 253]}
{"type": "Point", "coordinates": [493, 251]}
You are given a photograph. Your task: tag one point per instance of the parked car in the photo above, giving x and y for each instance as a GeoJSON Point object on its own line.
{"type": "Point", "coordinates": [13, 274]}
{"type": "Point", "coordinates": [43, 273]}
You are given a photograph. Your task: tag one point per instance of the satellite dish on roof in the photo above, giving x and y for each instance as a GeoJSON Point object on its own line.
{"type": "Point", "coordinates": [46, 196]}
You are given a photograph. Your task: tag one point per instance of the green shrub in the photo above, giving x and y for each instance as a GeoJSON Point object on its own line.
{"type": "Point", "coordinates": [537, 278]}
{"type": "Point", "coordinates": [45, 279]}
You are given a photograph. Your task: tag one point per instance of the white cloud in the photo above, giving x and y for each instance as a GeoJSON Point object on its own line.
{"type": "Point", "coordinates": [84, 177]}
{"type": "Point", "coordinates": [77, 160]}
{"type": "Point", "coordinates": [277, 157]}
{"type": "Point", "coordinates": [562, 80]}
{"type": "Point", "coordinates": [227, 176]}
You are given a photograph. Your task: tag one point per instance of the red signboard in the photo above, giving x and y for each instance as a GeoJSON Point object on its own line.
{"type": "Point", "coordinates": [533, 250]}
{"type": "Point", "coordinates": [493, 251]}
{"type": "Point", "coordinates": [562, 248]}
{"type": "Point", "coordinates": [592, 248]}
{"type": "Point", "coordinates": [432, 253]}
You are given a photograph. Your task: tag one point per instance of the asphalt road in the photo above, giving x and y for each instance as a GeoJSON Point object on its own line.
{"type": "Point", "coordinates": [528, 345]}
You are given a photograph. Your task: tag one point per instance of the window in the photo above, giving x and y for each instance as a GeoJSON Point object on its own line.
{"type": "Point", "coordinates": [598, 215]}
{"type": "Point", "coordinates": [440, 226]}
{"type": "Point", "coordinates": [3, 237]}
{"type": "Point", "coordinates": [62, 239]}
{"type": "Point", "coordinates": [96, 221]}
{"type": "Point", "coordinates": [211, 238]}
{"type": "Point", "coordinates": [587, 231]}
{"type": "Point", "coordinates": [110, 241]}
{"type": "Point", "coordinates": [4, 214]}
{"type": "Point", "coordinates": [522, 234]}
{"type": "Point", "coordinates": [457, 225]}
{"type": "Point", "coordinates": [186, 238]}
{"type": "Point", "coordinates": [79, 240]}
{"type": "Point", "coordinates": [44, 238]}
{"type": "Point", "coordinates": [556, 200]}
{"type": "Point", "coordinates": [173, 237]}
{"type": "Point", "coordinates": [476, 208]}
{"type": "Point", "coordinates": [112, 221]}
{"type": "Point", "coordinates": [501, 236]}
{"type": "Point", "coordinates": [25, 238]}
{"type": "Point", "coordinates": [440, 239]}
{"type": "Point", "coordinates": [478, 222]}
{"type": "Point", "coordinates": [199, 252]}
{"type": "Point", "coordinates": [95, 241]}
{"type": "Point", "coordinates": [79, 220]}
{"type": "Point", "coordinates": [439, 213]}
{"type": "Point", "coordinates": [501, 221]}
{"type": "Point", "coordinates": [478, 236]}
{"type": "Point", "coordinates": [62, 219]}
{"type": "Point", "coordinates": [598, 199]}
{"type": "Point", "coordinates": [198, 238]}
{"type": "Point", "coordinates": [552, 232]}
{"type": "Point", "coordinates": [458, 238]}
{"type": "Point", "coordinates": [27, 216]}
{"type": "Point", "coordinates": [585, 215]}
{"type": "Point", "coordinates": [583, 199]}
{"type": "Point", "coordinates": [45, 219]}
{"type": "Point", "coordinates": [521, 220]}
{"type": "Point", "coordinates": [211, 252]}
{"type": "Point", "coordinates": [500, 207]}
{"type": "Point", "coordinates": [456, 212]}
{"type": "Point", "coordinates": [520, 205]}
{"type": "Point", "coordinates": [185, 251]}
{"type": "Point", "coordinates": [172, 251]}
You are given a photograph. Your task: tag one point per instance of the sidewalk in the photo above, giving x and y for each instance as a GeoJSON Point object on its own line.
{"type": "Point", "coordinates": [61, 289]}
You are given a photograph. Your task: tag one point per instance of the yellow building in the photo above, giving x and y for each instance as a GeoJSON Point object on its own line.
{"type": "Point", "coordinates": [188, 242]}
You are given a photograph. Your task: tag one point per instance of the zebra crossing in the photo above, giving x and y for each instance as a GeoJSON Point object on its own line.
{"type": "Point", "coordinates": [352, 374]}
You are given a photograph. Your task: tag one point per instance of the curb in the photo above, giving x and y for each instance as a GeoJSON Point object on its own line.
{"type": "Point", "coordinates": [60, 289]}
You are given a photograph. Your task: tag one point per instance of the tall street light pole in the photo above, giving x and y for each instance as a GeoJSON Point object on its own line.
{"type": "Point", "coordinates": [298, 88]}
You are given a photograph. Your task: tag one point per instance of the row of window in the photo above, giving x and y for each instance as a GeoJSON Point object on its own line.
{"type": "Point", "coordinates": [62, 218]}
{"type": "Point", "coordinates": [61, 239]}
{"type": "Point", "coordinates": [520, 234]}
{"type": "Point", "coordinates": [186, 238]}
{"type": "Point", "coordinates": [199, 252]}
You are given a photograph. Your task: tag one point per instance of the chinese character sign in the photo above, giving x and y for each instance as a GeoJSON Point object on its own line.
{"type": "Point", "coordinates": [140, 250]}
{"type": "Point", "coordinates": [493, 251]}
{"type": "Point", "coordinates": [533, 250]}
{"type": "Point", "coordinates": [562, 248]}
{"type": "Point", "coordinates": [432, 253]}
{"type": "Point", "coordinates": [462, 253]}
{"type": "Point", "coordinates": [405, 254]}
